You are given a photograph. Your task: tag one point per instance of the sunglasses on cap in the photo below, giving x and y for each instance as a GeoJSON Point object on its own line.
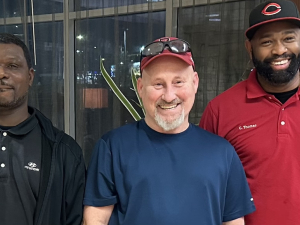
{"type": "Point", "coordinates": [176, 46]}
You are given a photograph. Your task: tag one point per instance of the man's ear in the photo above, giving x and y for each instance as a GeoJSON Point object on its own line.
{"type": "Point", "coordinates": [139, 86]}
{"type": "Point", "coordinates": [196, 81]}
{"type": "Point", "coordinates": [248, 48]}
{"type": "Point", "coordinates": [31, 76]}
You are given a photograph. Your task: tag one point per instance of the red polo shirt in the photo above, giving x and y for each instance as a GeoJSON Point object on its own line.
{"type": "Point", "coordinates": [266, 136]}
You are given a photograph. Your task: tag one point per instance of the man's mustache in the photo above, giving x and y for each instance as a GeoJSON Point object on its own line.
{"type": "Point", "coordinates": [163, 102]}
{"type": "Point", "coordinates": [2, 82]}
{"type": "Point", "coordinates": [283, 56]}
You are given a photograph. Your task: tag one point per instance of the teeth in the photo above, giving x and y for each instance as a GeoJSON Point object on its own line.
{"type": "Point", "coordinates": [280, 62]}
{"type": "Point", "coordinates": [168, 107]}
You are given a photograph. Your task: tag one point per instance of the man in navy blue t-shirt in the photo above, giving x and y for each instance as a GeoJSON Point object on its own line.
{"type": "Point", "coordinates": [163, 170]}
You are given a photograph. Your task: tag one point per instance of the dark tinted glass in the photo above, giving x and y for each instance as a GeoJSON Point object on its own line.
{"type": "Point", "coordinates": [118, 41]}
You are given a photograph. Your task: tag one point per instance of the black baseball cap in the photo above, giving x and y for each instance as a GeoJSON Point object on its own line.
{"type": "Point", "coordinates": [271, 11]}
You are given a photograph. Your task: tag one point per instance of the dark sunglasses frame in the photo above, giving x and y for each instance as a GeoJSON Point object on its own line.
{"type": "Point", "coordinates": [165, 44]}
{"type": "Point", "coordinates": [168, 44]}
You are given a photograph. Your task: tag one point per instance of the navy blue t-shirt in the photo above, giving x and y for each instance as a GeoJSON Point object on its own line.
{"type": "Point", "coordinates": [193, 177]}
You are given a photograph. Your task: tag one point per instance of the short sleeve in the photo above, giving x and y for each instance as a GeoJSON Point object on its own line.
{"type": "Point", "coordinates": [100, 187]}
{"type": "Point", "coordinates": [209, 120]}
{"type": "Point", "coordinates": [238, 200]}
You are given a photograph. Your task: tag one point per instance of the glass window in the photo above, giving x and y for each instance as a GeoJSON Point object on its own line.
{"type": "Point", "coordinates": [96, 4]}
{"type": "Point", "coordinates": [47, 91]}
{"type": "Point", "coordinates": [16, 29]}
{"type": "Point", "coordinates": [216, 35]}
{"type": "Point", "coordinates": [15, 8]}
{"type": "Point", "coordinates": [11, 8]}
{"type": "Point", "coordinates": [46, 6]}
{"type": "Point", "coordinates": [118, 43]}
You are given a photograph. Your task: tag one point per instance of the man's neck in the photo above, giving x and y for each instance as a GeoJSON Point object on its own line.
{"type": "Point", "coordinates": [270, 88]}
{"type": "Point", "coordinates": [13, 117]}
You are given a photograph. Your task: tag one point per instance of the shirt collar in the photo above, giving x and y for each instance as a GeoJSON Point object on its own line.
{"type": "Point", "coordinates": [26, 126]}
{"type": "Point", "coordinates": [254, 90]}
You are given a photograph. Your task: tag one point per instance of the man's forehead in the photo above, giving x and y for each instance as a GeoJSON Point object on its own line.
{"type": "Point", "coordinates": [170, 72]}
{"type": "Point", "coordinates": [11, 51]}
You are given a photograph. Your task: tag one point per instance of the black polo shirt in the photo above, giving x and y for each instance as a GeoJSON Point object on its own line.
{"type": "Point", "coordinates": [20, 163]}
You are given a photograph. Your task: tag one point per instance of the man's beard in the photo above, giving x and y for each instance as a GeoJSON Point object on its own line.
{"type": "Point", "coordinates": [16, 102]}
{"type": "Point", "coordinates": [168, 125]}
{"type": "Point", "coordinates": [278, 77]}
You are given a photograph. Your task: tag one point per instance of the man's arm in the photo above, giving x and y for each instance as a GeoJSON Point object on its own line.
{"type": "Point", "coordinates": [75, 183]}
{"type": "Point", "coordinates": [97, 215]}
{"type": "Point", "coordinates": [209, 120]}
{"type": "Point", "coordinates": [239, 221]}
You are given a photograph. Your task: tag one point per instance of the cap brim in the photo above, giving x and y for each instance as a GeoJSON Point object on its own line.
{"type": "Point", "coordinates": [251, 30]}
{"type": "Point", "coordinates": [180, 56]}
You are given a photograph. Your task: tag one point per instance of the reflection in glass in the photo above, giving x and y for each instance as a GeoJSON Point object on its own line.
{"type": "Point", "coordinates": [118, 43]}
{"type": "Point", "coordinates": [15, 8]}
{"type": "Point", "coordinates": [46, 7]}
{"type": "Point", "coordinates": [11, 8]}
{"type": "Point", "coordinates": [96, 4]}
{"type": "Point", "coordinates": [48, 89]}
{"type": "Point", "coordinates": [216, 35]}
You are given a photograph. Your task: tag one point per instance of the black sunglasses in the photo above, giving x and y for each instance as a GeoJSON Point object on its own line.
{"type": "Point", "coordinates": [176, 46]}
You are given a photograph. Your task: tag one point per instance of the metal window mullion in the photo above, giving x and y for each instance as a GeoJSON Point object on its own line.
{"type": "Point", "coordinates": [71, 44]}
{"type": "Point", "coordinates": [69, 90]}
{"type": "Point", "coordinates": [24, 22]}
{"type": "Point", "coordinates": [169, 18]}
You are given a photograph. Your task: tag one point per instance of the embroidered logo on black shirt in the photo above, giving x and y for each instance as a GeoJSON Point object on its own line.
{"type": "Point", "coordinates": [32, 166]}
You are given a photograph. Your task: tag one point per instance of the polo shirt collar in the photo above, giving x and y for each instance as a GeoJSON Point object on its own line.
{"type": "Point", "coordinates": [254, 90]}
{"type": "Point", "coordinates": [26, 126]}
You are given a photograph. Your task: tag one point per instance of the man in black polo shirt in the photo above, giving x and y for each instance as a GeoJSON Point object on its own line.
{"type": "Point", "coordinates": [42, 172]}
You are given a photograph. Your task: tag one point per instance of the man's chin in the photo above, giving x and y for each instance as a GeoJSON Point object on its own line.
{"type": "Point", "coordinates": [279, 78]}
{"type": "Point", "coordinates": [169, 123]}
{"type": "Point", "coordinates": [12, 104]}
{"type": "Point", "coordinates": [5, 103]}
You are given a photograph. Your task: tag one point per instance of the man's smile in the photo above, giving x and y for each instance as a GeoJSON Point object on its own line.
{"type": "Point", "coordinates": [173, 106]}
{"type": "Point", "coordinates": [280, 64]}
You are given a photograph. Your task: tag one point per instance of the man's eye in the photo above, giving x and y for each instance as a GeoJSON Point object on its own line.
{"type": "Point", "coordinates": [266, 42]}
{"type": "Point", "coordinates": [12, 66]}
{"type": "Point", "coordinates": [178, 83]}
{"type": "Point", "coordinates": [289, 38]}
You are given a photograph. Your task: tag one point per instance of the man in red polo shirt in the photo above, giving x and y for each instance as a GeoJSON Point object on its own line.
{"type": "Point", "coordinates": [260, 116]}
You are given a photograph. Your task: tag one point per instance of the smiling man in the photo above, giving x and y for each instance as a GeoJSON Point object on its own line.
{"type": "Point", "coordinates": [260, 116]}
{"type": "Point", "coordinates": [163, 170]}
{"type": "Point", "coordinates": [42, 171]}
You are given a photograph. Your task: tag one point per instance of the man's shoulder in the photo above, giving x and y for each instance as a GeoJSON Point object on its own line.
{"type": "Point", "coordinates": [58, 137]}
{"type": "Point", "coordinates": [124, 137]}
{"type": "Point", "coordinates": [124, 131]}
{"type": "Point", "coordinates": [207, 138]}
{"type": "Point", "coordinates": [69, 146]}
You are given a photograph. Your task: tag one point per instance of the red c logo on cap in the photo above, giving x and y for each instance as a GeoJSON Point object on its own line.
{"type": "Point", "coordinates": [273, 12]}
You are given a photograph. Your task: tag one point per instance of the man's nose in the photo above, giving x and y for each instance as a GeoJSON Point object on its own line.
{"type": "Point", "coordinates": [2, 72]}
{"type": "Point", "coordinates": [279, 49]}
{"type": "Point", "coordinates": [169, 94]}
